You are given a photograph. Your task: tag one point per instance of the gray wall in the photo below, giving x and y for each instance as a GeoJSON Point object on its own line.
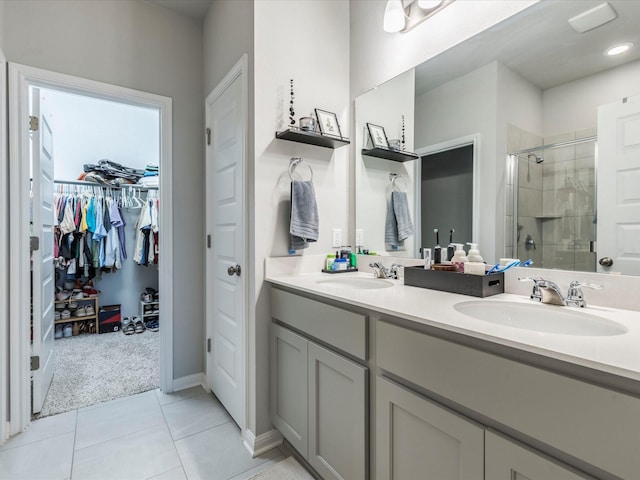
{"type": "Point", "coordinates": [2, 15]}
{"type": "Point", "coordinates": [142, 46]}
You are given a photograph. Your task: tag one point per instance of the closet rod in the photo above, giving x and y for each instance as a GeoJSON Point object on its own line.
{"type": "Point", "coordinates": [93, 184]}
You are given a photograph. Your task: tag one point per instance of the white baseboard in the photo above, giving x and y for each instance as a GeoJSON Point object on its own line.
{"type": "Point", "coordinates": [189, 381]}
{"type": "Point", "coordinates": [262, 443]}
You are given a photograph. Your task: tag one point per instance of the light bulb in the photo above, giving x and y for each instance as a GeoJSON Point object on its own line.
{"type": "Point", "coordinates": [618, 49]}
{"type": "Point", "coordinates": [393, 16]}
{"type": "Point", "coordinates": [429, 4]}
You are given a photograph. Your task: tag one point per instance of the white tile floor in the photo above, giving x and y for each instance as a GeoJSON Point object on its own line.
{"type": "Point", "coordinates": [186, 435]}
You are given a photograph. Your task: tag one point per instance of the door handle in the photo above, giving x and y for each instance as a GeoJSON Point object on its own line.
{"type": "Point", "coordinates": [233, 270]}
{"type": "Point", "coordinates": [606, 261]}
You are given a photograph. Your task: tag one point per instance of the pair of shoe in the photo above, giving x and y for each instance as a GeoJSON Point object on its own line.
{"type": "Point", "coordinates": [67, 330]}
{"type": "Point", "coordinates": [153, 325]}
{"type": "Point", "coordinates": [77, 295]}
{"type": "Point", "coordinates": [58, 332]}
{"type": "Point", "coordinates": [65, 314]}
{"type": "Point", "coordinates": [132, 325]}
{"type": "Point", "coordinates": [62, 295]}
{"type": "Point", "coordinates": [56, 315]}
{"type": "Point", "coordinates": [84, 311]}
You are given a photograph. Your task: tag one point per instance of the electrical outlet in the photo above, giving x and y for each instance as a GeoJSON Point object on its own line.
{"type": "Point", "coordinates": [336, 241]}
{"type": "Point", "coordinates": [359, 237]}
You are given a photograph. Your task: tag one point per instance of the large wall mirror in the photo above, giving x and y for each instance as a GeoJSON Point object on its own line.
{"type": "Point", "coordinates": [551, 127]}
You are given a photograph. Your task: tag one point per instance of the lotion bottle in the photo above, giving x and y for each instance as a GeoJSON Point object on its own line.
{"type": "Point", "coordinates": [474, 253]}
{"type": "Point", "coordinates": [459, 257]}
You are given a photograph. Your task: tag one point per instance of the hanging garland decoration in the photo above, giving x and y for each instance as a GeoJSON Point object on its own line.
{"type": "Point", "coordinates": [292, 113]}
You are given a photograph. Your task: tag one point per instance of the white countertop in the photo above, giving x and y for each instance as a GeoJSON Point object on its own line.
{"type": "Point", "coordinates": [617, 355]}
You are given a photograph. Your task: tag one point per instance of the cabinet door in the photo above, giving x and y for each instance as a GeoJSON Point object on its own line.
{"type": "Point", "coordinates": [417, 438]}
{"type": "Point", "coordinates": [337, 415]}
{"type": "Point", "coordinates": [507, 460]}
{"type": "Point", "coordinates": [289, 402]}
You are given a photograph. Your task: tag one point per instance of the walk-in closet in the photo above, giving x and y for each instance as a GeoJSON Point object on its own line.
{"type": "Point", "coordinates": [95, 210]}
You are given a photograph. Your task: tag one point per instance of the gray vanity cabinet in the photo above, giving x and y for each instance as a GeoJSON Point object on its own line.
{"type": "Point", "coordinates": [289, 400]}
{"type": "Point", "coordinates": [337, 415]}
{"type": "Point", "coordinates": [417, 438]}
{"type": "Point", "coordinates": [319, 403]}
{"type": "Point", "coordinates": [509, 460]}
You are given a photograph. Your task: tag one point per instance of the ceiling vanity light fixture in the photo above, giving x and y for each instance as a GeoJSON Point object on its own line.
{"type": "Point", "coordinates": [404, 15]}
{"type": "Point", "coordinates": [618, 49]}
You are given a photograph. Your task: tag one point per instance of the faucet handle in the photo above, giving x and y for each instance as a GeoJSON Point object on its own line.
{"type": "Point", "coordinates": [535, 294]}
{"type": "Point", "coordinates": [577, 284]}
{"type": "Point", "coordinates": [575, 296]}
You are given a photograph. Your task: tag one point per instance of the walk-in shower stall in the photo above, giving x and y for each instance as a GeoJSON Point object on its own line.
{"type": "Point", "coordinates": [554, 204]}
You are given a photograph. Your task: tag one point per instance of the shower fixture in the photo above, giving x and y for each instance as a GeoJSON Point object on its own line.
{"type": "Point", "coordinates": [537, 158]}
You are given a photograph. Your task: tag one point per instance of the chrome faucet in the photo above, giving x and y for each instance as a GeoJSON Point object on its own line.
{"type": "Point", "coordinates": [546, 291]}
{"type": "Point", "coordinates": [380, 271]}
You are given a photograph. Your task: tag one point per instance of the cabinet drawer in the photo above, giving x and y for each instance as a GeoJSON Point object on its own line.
{"type": "Point", "coordinates": [588, 422]}
{"type": "Point", "coordinates": [344, 330]}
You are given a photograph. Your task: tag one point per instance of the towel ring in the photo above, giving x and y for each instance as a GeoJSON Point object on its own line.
{"type": "Point", "coordinates": [294, 162]}
{"type": "Point", "coordinates": [394, 177]}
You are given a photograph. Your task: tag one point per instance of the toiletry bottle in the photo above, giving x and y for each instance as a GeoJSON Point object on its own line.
{"type": "Point", "coordinates": [459, 258]}
{"type": "Point", "coordinates": [330, 260]}
{"type": "Point", "coordinates": [474, 253]}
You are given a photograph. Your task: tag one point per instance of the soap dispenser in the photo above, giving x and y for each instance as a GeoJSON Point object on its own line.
{"type": "Point", "coordinates": [474, 253]}
{"type": "Point", "coordinates": [459, 258]}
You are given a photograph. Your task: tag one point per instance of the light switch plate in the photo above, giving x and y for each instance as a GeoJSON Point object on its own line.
{"type": "Point", "coordinates": [336, 241]}
{"type": "Point", "coordinates": [359, 237]}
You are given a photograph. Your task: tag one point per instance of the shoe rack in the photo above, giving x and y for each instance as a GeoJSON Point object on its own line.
{"type": "Point", "coordinates": [150, 311]}
{"type": "Point", "coordinates": [78, 314]}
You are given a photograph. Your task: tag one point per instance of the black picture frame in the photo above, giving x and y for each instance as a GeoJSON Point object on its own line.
{"type": "Point", "coordinates": [328, 123]}
{"type": "Point", "coordinates": [378, 136]}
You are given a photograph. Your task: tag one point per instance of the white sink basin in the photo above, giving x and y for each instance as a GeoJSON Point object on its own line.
{"type": "Point", "coordinates": [541, 318]}
{"type": "Point", "coordinates": [355, 283]}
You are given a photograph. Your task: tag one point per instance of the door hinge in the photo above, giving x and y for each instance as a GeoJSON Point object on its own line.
{"type": "Point", "coordinates": [35, 363]}
{"type": "Point", "coordinates": [208, 241]}
{"type": "Point", "coordinates": [34, 123]}
{"type": "Point", "coordinates": [208, 345]}
{"type": "Point", "coordinates": [34, 243]}
{"type": "Point", "coordinates": [208, 132]}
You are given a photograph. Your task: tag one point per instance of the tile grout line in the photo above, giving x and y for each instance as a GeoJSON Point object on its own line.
{"type": "Point", "coordinates": [171, 435]}
{"type": "Point", "coordinates": [73, 447]}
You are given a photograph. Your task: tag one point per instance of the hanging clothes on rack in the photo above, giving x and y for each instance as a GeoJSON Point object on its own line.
{"type": "Point", "coordinates": [147, 233]}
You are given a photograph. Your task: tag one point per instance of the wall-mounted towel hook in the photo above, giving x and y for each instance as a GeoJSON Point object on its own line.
{"type": "Point", "coordinates": [294, 162]}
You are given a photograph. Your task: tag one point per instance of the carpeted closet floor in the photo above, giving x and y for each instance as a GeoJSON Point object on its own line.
{"type": "Point", "coordinates": [94, 368]}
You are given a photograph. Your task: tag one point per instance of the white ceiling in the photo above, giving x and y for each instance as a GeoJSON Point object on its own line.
{"type": "Point", "coordinates": [540, 45]}
{"type": "Point", "coordinates": [196, 9]}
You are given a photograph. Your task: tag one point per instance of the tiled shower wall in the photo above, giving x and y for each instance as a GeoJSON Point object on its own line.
{"type": "Point", "coordinates": [556, 201]}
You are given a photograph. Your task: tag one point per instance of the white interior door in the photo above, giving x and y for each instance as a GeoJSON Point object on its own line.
{"type": "Point", "coordinates": [43, 276]}
{"type": "Point", "coordinates": [226, 257]}
{"type": "Point", "coordinates": [619, 186]}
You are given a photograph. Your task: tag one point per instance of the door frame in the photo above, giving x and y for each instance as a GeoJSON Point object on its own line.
{"type": "Point", "coordinates": [20, 78]}
{"type": "Point", "coordinates": [452, 144]}
{"type": "Point", "coordinates": [4, 254]}
{"type": "Point", "coordinates": [240, 69]}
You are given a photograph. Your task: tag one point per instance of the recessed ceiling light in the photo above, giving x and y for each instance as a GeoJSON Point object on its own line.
{"type": "Point", "coordinates": [618, 49]}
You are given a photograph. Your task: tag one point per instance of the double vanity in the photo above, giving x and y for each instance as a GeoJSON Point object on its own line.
{"type": "Point", "coordinates": [371, 378]}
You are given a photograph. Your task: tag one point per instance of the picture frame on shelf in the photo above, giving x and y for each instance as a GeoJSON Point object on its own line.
{"type": "Point", "coordinates": [378, 136]}
{"type": "Point", "coordinates": [328, 123]}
